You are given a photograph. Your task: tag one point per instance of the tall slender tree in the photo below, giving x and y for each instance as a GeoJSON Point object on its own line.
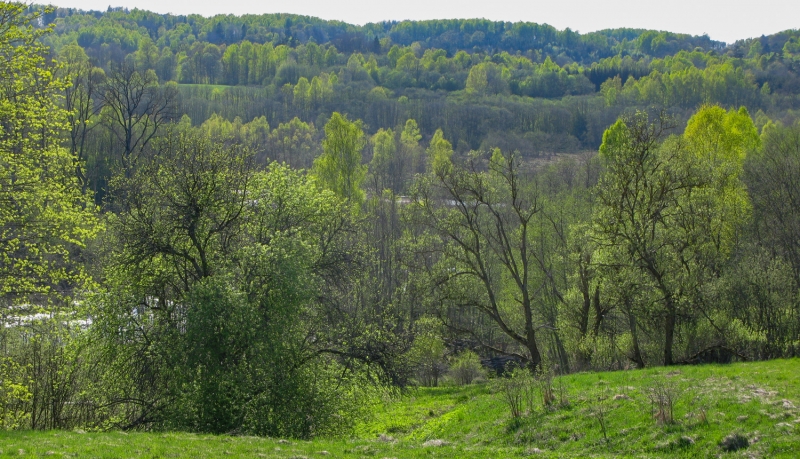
{"type": "Point", "coordinates": [339, 167]}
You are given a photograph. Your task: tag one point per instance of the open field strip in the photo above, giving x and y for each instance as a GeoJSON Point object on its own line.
{"type": "Point", "coordinates": [758, 401]}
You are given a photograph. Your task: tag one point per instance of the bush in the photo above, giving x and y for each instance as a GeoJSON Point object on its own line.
{"type": "Point", "coordinates": [427, 352]}
{"type": "Point", "coordinates": [663, 394]}
{"type": "Point", "coordinates": [517, 391]}
{"type": "Point", "coordinates": [14, 396]}
{"type": "Point", "coordinates": [465, 368]}
{"type": "Point", "coordinates": [44, 374]}
{"type": "Point", "coordinates": [544, 379]}
{"type": "Point", "coordinates": [229, 370]}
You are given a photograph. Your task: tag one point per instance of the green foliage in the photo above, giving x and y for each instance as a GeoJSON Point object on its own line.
{"type": "Point", "coordinates": [15, 395]}
{"type": "Point", "coordinates": [427, 353]}
{"type": "Point", "coordinates": [409, 138]}
{"type": "Point", "coordinates": [250, 372]}
{"type": "Point", "coordinates": [44, 219]}
{"type": "Point", "coordinates": [771, 177]}
{"type": "Point", "coordinates": [294, 143]}
{"type": "Point", "coordinates": [235, 295]}
{"type": "Point", "coordinates": [520, 86]}
{"type": "Point", "coordinates": [466, 368]}
{"type": "Point", "coordinates": [669, 212]}
{"type": "Point", "coordinates": [440, 152]}
{"type": "Point", "coordinates": [383, 155]}
{"type": "Point", "coordinates": [227, 265]}
{"type": "Point", "coordinates": [491, 247]}
{"type": "Point", "coordinates": [46, 224]}
{"type": "Point", "coordinates": [45, 373]}
{"type": "Point", "coordinates": [339, 168]}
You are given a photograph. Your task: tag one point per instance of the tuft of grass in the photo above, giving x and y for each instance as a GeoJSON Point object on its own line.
{"type": "Point", "coordinates": [716, 411]}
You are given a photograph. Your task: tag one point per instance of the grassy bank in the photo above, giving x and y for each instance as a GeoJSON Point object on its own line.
{"type": "Point", "coordinates": [754, 401]}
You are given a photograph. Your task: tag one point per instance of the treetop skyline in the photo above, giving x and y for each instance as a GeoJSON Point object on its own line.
{"type": "Point", "coordinates": [728, 22]}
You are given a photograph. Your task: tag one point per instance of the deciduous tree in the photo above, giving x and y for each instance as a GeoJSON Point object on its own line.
{"type": "Point", "coordinates": [339, 167]}
{"type": "Point", "coordinates": [669, 210]}
{"type": "Point", "coordinates": [489, 246]}
{"type": "Point", "coordinates": [44, 218]}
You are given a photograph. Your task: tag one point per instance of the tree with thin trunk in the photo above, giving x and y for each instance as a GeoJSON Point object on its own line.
{"type": "Point", "coordinates": [339, 167]}
{"type": "Point", "coordinates": [135, 107]}
{"type": "Point", "coordinates": [668, 210]}
{"type": "Point", "coordinates": [81, 101]}
{"type": "Point", "coordinates": [492, 250]}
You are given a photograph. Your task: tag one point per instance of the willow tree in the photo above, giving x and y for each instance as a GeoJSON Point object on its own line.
{"type": "Point", "coordinates": [668, 210]}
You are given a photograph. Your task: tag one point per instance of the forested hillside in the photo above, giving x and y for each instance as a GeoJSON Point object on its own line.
{"type": "Point", "coordinates": [264, 224]}
{"type": "Point", "coordinates": [517, 86]}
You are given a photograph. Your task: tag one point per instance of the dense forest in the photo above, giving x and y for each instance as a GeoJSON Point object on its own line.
{"type": "Point", "coordinates": [258, 224]}
{"type": "Point", "coordinates": [515, 86]}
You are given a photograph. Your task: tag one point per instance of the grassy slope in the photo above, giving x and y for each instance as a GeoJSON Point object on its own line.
{"type": "Point", "coordinates": [757, 400]}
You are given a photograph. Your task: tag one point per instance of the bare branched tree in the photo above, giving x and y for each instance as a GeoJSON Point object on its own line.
{"type": "Point", "coordinates": [135, 108]}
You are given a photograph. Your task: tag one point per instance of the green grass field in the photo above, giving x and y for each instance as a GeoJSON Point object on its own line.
{"type": "Point", "coordinates": [758, 401]}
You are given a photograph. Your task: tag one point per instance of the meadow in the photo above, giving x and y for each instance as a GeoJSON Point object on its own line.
{"type": "Point", "coordinates": [735, 410]}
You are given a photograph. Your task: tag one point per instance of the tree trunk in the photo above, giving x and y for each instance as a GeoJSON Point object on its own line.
{"type": "Point", "coordinates": [533, 349]}
{"type": "Point", "coordinates": [669, 332]}
{"type": "Point", "coordinates": [637, 353]}
{"type": "Point", "coordinates": [598, 312]}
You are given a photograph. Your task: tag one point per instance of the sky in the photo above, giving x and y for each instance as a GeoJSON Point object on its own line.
{"type": "Point", "coordinates": [727, 21]}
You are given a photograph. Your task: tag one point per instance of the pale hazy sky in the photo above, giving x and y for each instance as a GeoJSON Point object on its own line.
{"type": "Point", "coordinates": [727, 20]}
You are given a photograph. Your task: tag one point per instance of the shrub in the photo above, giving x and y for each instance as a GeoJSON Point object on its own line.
{"type": "Point", "coordinates": [465, 368]}
{"type": "Point", "coordinates": [544, 379]}
{"type": "Point", "coordinates": [44, 374]}
{"type": "Point", "coordinates": [14, 396]}
{"type": "Point", "coordinates": [663, 394]}
{"type": "Point", "coordinates": [517, 391]}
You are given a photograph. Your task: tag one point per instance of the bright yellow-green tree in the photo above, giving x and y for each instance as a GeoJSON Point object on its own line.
{"type": "Point", "coordinates": [44, 218]}
{"type": "Point", "coordinates": [668, 210]}
{"type": "Point", "coordinates": [384, 151]}
{"type": "Point", "coordinates": [440, 152]}
{"type": "Point", "coordinates": [339, 168]}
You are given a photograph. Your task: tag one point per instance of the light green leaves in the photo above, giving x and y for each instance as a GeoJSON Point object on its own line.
{"type": "Point", "coordinates": [44, 217]}
{"type": "Point", "coordinates": [670, 209]}
{"type": "Point", "coordinates": [440, 152]}
{"type": "Point", "coordinates": [339, 169]}
{"type": "Point", "coordinates": [714, 132]}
